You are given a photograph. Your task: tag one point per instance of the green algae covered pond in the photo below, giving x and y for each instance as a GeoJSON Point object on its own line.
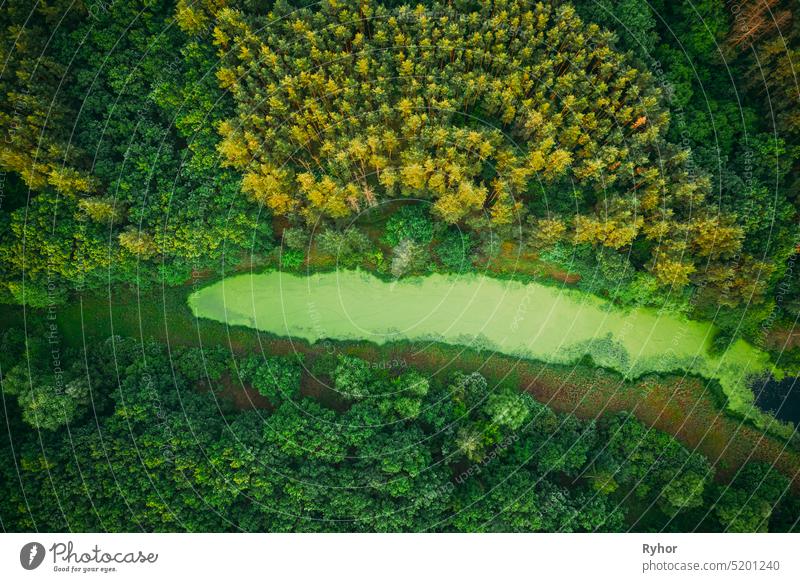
{"type": "Point", "coordinates": [527, 320]}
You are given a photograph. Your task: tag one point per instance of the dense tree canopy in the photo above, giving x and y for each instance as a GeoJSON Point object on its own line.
{"type": "Point", "coordinates": [109, 121]}
{"type": "Point", "coordinates": [647, 151]}
{"type": "Point", "coordinates": [400, 452]}
{"type": "Point", "coordinates": [478, 110]}
{"type": "Point", "coordinates": [515, 117]}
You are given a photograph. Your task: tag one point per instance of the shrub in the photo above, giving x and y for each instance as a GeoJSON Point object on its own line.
{"type": "Point", "coordinates": [292, 259]}
{"type": "Point", "coordinates": [350, 247]}
{"type": "Point", "coordinates": [295, 239]}
{"type": "Point", "coordinates": [410, 222]}
{"type": "Point", "coordinates": [275, 377]}
{"type": "Point", "coordinates": [34, 295]}
{"type": "Point", "coordinates": [454, 250]}
{"type": "Point", "coordinates": [409, 257]}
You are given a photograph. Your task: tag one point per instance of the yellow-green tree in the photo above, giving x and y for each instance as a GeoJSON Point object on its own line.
{"type": "Point", "coordinates": [354, 102]}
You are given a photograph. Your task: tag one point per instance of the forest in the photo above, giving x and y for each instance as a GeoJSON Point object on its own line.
{"type": "Point", "coordinates": [395, 452]}
{"type": "Point", "coordinates": [645, 152]}
{"type": "Point", "coordinates": [652, 178]}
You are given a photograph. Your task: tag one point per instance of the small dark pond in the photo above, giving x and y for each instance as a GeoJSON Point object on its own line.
{"type": "Point", "coordinates": [781, 398]}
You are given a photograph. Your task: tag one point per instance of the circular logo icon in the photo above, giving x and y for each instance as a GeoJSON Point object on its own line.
{"type": "Point", "coordinates": [31, 555]}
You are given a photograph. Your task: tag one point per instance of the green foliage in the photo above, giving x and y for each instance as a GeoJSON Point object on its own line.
{"type": "Point", "coordinates": [119, 151]}
{"type": "Point", "coordinates": [508, 410]}
{"type": "Point", "coordinates": [201, 364]}
{"type": "Point", "coordinates": [747, 503]}
{"type": "Point", "coordinates": [292, 259]}
{"type": "Point", "coordinates": [295, 239]}
{"type": "Point", "coordinates": [48, 401]}
{"type": "Point", "coordinates": [34, 295]}
{"type": "Point", "coordinates": [408, 453]}
{"type": "Point", "coordinates": [614, 267]}
{"type": "Point", "coordinates": [736, 322]}
{"type": "Point", "coordinates": [612, 275]}
{"type": "Point", "coordinates": [653, 466]}
{"type": "Point", "coordinates": [276, 377]}
{"type": "Point", "coordinates": [454, 250]}
{"type": "Point", "coordinates": [700, 26]}
{"type": "Point", "coordinates": [50, 387]}
{"type": "Point", "coordinates": [633, 21]}
{"type": "Point", "coordinates": [409, 257]}
{"type": "Point", "coordinates": [350, 247]}
{"type": "Point", "coordinates": [353, 378]}
{"type": "Point", "coordinates": [409, 223]}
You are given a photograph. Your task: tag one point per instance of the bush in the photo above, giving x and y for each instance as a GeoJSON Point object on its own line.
{"type": "Point", "coordinates": [455, 250]}
{"type": "Point", "coordinates": [490, 245]}
{"type": "Point", "coordinates": [614, 266]}
{"type": "Point", "coordinates": [174, 274]}
{"type": "Point", "coordinates": [34, 295]}
{"type": "Point", "coordinates": [410, 222]}
{"type": "Point", "coordinates": [737, 322]}
{"type": "Point", "coordinates": [350, 247]}
{"type": "Point", "coordinates": [353, 377]}
{"type": "Point", "coordinates": [197, 364]}
{"type": "Point", "coordinates": [409, 257]}
{"type": "Point", "coordinates": [275, 377]}
{"type": "Point", "coordinates": [295, 238]}
{"type": "Point", "coordinates": [292, 259]}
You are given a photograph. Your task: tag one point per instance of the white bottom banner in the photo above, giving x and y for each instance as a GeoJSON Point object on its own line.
{"type": "Point", "coordinates": [391, 557]}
